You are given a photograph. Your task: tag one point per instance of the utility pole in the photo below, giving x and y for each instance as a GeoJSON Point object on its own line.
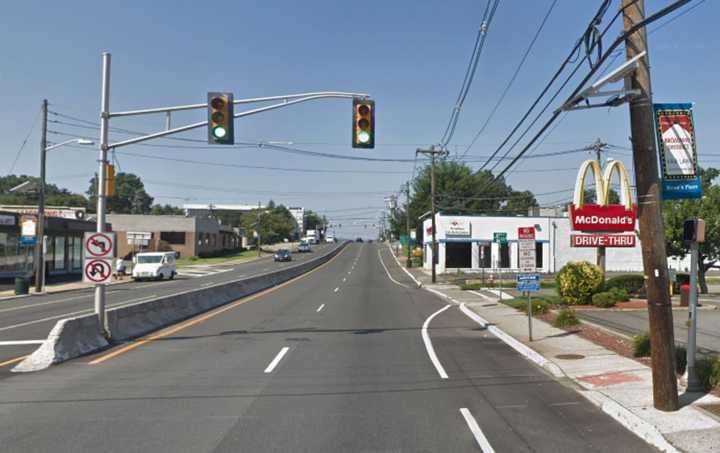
{"type": "Point", "coordinates": [652, 233]}
{"type": "Point", "coordinates": [599, 147]}
{"type": "Point", "coordinates": [433, 153]}
{"type": "Point", "coordinates": [257, 229]}
{"type": "Point", "coordinates": [39, 238]}
{"type": "Point", "coordinates": [407, 222]}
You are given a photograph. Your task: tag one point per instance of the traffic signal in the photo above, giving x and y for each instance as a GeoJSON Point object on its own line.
{"type": "Point", "coordinates": [694, 230]}
{"type": "Point", "coordinates": [220, 119]}
{"type": "Point", "coordinates": [109, 180]}
{"type": "Point", "coordinates": [363, 128]}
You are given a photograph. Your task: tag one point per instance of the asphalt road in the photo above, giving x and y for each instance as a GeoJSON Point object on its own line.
{"type": "Point", "coordinates": [332, 361]}
{"type": "Point", "coordinates": [31, 318]}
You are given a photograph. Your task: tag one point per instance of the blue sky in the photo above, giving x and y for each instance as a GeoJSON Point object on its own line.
{"type": "Point", "coordinates": [409, 56]}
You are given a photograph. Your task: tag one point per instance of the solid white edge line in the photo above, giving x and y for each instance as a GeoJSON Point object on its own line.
{"type": "Point", "coordinates": [388, 272]}
{"type": "Point", "coordinates": [320, 308]}
{"type": "Point", "coordinates": [20, 342]}
{"type": "Point", "coordinates": [417, 282]}
{"type": "Point", "coordinates": [277, 359]}
{"type": "Point", "coordinates": [476, 431]}
{"type": "Point", "coordinates": [428, 344]}
{"type": "Point", "coordinates": [336, 290]}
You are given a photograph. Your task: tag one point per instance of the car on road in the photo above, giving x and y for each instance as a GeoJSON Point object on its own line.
{"type": "Point", "coordinates": [304, 247]}
{"type": "Point", "coordinates": [359, 240]}
{"type": "Point", "coordinates": [154, 266]}
{"type": "Point", "coordinates": [282, 255]}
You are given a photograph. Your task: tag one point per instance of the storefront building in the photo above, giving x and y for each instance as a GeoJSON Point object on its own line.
{"type": "Point", "coordinates": [466, 243]}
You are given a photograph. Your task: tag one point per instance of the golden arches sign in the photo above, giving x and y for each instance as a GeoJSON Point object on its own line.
{"type": "Point", "coordinates": [603, 184]}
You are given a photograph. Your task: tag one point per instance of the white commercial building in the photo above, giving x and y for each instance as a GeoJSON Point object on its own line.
{"type": "Point", "coordinates": [466, 243]}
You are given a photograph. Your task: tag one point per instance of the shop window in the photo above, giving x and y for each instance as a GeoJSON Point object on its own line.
{"type": "Point", "coordinates": [505, 256]}
{"type": "Point", "coordinates": [173, 237]}
{"type": "Point", "coordinates": [77, 259]}
{"type": "Point", "coordinates": [539, 255]}
{"type": "Point", "coordinates": [458, 255]}
{"type": "Point", "coordinates": [485, 260]}
{"type": "Point", "coordinates": [59, 260]}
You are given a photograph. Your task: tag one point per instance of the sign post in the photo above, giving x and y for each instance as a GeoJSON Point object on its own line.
{"type": "Point", "coordinates": [528, 279]}
{"type": "Point", "coordinates": [501, 239]}
{"type": "Point", "coordinates": [529, 283]}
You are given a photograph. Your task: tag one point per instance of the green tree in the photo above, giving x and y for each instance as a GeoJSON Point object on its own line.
{"type": "Point", "coordinates": [130, 195]}
{"type": "Point", "coordinates": [591, 198]}
{"type": "Point", "coordinates": [166, 209]}
{"type": "Point", "coordinates": [276, 224]}
{"type": "Point", "coordinates": [675, 212]}
{"type": "Point", "coordinates": [313, 220]}
{"type": "Point", "coordinates": [54, 195]}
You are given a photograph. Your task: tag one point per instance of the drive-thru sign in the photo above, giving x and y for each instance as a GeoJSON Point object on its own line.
{"type": "Point", "coordinates": [99, 249]}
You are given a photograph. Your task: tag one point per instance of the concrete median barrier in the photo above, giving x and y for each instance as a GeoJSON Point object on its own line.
{"type": "Point", "coordinates": [74, 337]}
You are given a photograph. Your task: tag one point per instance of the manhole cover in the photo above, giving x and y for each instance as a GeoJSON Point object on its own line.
{"type": "Point", "coordinates": [569, 356]}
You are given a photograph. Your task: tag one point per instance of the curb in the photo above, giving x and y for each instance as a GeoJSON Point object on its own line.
{"type": "Point", "coordinates": [417, 282]}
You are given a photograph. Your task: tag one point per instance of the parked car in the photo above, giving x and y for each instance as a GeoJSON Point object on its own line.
{"type": "Point", "coordinates": [359, 240]}
{"type": "Point", "coordinates": [154, 265]}
{"type": "Point", "coordinates": [304, 247]}
{"type": "Point", "coordinates": [282, 255]}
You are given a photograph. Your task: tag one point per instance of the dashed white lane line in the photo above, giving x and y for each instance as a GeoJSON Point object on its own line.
{"type": "Point", "coordinates": [276, 360]}
{"type": "Point", "coordinates": [428, 344]}
{"type": "Point", "coordinates": [476, 431]}
{"type": "Point", "coordinates": [203, 285]}
{"type": "Point", "coordinates": [344, 279]}
{"type": "Point", "coordinates": [336, 289]}
{"type": "Point", "coordinates": [320, 308]}
{"type": "Point", "coordinates": [20, 342]}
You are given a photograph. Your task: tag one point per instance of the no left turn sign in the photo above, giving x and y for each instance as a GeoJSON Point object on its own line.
{"type": "Point", "coordinates": [97, 271]}
{"type": "Point", "coordinates": [99, 245]}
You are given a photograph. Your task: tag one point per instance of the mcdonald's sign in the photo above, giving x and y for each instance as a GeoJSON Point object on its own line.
{"type": "Point", "coordinates": [603, 216]}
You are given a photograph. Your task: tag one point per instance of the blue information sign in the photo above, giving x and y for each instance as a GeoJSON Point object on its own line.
{"type": "Point", "coordinates": [528, 282]}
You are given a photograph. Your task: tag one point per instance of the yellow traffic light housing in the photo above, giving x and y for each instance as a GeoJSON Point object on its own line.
{"type": "Point", "coordinates": [109, 180]}
{"type": "Point", "coordinates": [220, 119]}
{"type": "Point", "coordinates": [363, 128]}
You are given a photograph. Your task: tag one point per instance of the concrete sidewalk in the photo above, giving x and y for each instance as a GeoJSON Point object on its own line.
{"type": "Point", "coordinates": [620, 386]}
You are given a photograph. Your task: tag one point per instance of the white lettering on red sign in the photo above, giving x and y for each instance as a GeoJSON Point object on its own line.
{"type": "Point", "coordinates": [602, 240]}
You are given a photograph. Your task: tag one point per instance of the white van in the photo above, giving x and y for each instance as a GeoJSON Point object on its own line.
{"type": "Point", "coordinates": [154, 265]}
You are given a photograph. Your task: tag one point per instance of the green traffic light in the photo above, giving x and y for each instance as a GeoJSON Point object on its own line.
{"type": "Point", "coordinates": [363, 137]}
{"type": "Point", "coordinates": [219, 132]}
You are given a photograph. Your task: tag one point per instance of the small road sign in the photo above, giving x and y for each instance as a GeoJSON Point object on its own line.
{"type": "Point", "coordinates": [526, 249]}
{"type": "Point", "coordinates": [99, 245]}
{"type": "Point", "coordinates": [500, 238]}
{"type": "Point", "coordinates": [97, 271]}
{"type": "Point", "coordinates": [528, 283]}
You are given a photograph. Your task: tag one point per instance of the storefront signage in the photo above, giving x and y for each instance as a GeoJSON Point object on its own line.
{"type": "Point", "coordinates": [458, 227]}
{"type": "Point", "coordinates": [602, 216]}
{"type": "Point", "coordinates": [28, 229]}
{"type": "Point", "coordinates": [678, 157]}
{"type": "Point", "coordinates": [602, 240]}
{"type": "Point", "coordinates": [65, 213]}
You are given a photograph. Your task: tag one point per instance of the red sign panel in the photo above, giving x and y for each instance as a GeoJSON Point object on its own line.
{"type": "Point", "coordinates": [592, 217]}
{"type": "Point", "coordinates": [602, 240]}
{"type": "Point", "coordinates": [526, 233]}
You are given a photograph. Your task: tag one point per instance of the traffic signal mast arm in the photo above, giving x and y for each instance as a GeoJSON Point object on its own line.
{"type": "Point", "coordinates": [287, 101]}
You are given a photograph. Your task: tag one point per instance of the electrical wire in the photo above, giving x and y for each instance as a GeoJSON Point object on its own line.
{"type": "Point", "coordinates": [24, 142]}
{"type": "Point", "coordinates": [512, 79]}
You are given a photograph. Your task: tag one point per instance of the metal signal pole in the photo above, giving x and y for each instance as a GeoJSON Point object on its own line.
{"type": "Point", "coordinates": [433, 153]}
{"type": "Point", "coordinates": [102, 162]}
{"type": "Point", "coordinates": [652, 232]}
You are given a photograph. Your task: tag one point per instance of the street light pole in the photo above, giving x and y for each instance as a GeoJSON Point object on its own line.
{"type": "Point", "coordinates": [39, 252]}
{"type": "Point", "coordinates": [102, 162]}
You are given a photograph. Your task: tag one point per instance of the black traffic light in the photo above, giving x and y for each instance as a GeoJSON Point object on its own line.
{"type": "Point", "coordinates": [221, 130]}
{"type": "Point", "coordinates": [694, 230]}
{"type": "Point", "coordinates": [363, 127]}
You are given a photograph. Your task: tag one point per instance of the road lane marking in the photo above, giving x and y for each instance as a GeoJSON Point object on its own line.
{"type": "Point", "coordinates": [11, 361]}
{"type": "Point", "coordinates": [20, 342]}
{"type": "Point", "coordinates": [203, 285]}
{"type": "Point", "coordinates": [388, 272]}
{"type": "Point", "coordinates": [25, 307]}
{"type": "Point", "coordinates": [344, 279]}
{"type": "Point", "coordinates": [277, 359]}
{"type": "Point", "coordinates": [428, 344]}
{"type": "Point", "coordinates": [320, 308]}
{"type": "Point", "coordinates": [65, 315]}
{"type": "Point", "coordinates": [476, 431]}
{"type": "Point", "coordinates": [336, 289]}
{"type": "Point", "coordinates": [204, 317]}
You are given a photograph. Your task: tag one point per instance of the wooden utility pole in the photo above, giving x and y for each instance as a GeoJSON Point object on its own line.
{"type": "Point", "coordinates": [40, 233]}
{"type": "Point", "coordinates": [257, 229]}
{"type": "Point", "coordinates": [433, 153]}
{"type": "Point", "coordinates": [407, 223]}
{"type": "Point", "coordinates": [652, 232]}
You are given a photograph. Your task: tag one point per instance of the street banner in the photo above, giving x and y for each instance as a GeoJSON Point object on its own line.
{"type": "Point", "coordinates": [678, 157]}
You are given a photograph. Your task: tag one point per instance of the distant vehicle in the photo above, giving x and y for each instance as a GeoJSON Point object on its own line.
{"type": "Point", "coordinates": [282, 255]}
{"type": "Point", "coordinates": [154, 265]}
{"type": "Point", "coordinates": [312, 236]}
{"type": "Point", "coordinates": [358, 240]}
{"type": "Point", "coordinates": [304, 247]}
{"type": "Point", "coordinates": [330, 238]}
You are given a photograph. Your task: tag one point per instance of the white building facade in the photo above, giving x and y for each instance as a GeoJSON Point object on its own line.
{"type": "Point", "coordinates": [466, 243]}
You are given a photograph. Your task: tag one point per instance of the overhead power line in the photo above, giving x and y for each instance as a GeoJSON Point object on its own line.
{"type": "Point", "coordinates": [24, 142]}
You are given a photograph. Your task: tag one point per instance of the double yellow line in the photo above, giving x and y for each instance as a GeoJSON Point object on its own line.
{"type": "Point", "coordinates": [204, 317]}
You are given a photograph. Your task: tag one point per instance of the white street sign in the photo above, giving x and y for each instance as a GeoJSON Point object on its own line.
{"type": "Point", "coordinates": [526, 249]}
{"type": "Point", "coordinates": [97, 271]}
{"type": "Point", "coordinates": [99, 245]}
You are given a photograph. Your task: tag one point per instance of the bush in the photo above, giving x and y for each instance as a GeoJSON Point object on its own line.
{"type": "Point", "coordinates": [708, 370]}
{"type": "Point", "coordinates": [566, 318]}
{"type": "Point", "coordinates": [641, 345]}
{"type": "Point", "coordinates": [604, 300]}
{"type": "Point", "coordinates": [632, 283]}
{"type": "Point", "coordinates": [620, 294]}
{"type": "Point", "coordinates": [539, 306]}
{"type": "Point", "coordinates": [578, 281]}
